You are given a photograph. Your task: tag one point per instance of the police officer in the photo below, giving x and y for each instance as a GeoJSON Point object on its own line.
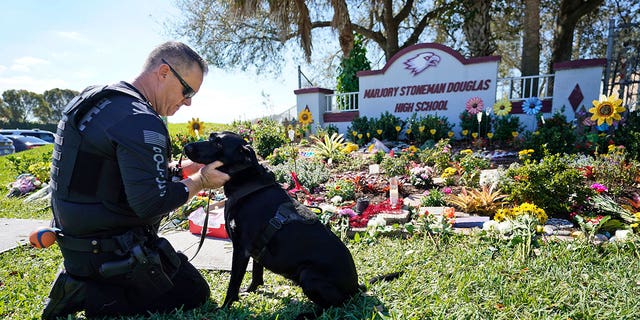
{"type": "Point", "coordinates": [111, 186]}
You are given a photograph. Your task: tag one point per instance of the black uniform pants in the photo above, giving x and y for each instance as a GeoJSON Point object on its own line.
{"type": "Point", "coordinates": [116, 297]}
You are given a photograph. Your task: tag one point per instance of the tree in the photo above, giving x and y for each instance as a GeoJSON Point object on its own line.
{"type": "Point", "coordinates": [349, 67]}
{"type": "Point", "coordinates": [243, 34]}
{"type": "Point", "coordinates": [19, 105]}
{"type": "Point", "coordinates": [477, 27]}
{"type": "Point", "coordinates": [56, 99]}
{"type": "Point", "coordinates": [568, 16]}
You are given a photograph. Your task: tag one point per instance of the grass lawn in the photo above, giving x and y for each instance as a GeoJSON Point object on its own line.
{"type": "Point", "coordinates": [445, 277]}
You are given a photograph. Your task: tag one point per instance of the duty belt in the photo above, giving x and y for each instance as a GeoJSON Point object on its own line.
{"type": "Point", "coordinates": [120, 243]}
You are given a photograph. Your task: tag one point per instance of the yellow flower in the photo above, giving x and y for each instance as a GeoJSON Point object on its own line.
{"type": "Point", "coordinates": [196, 127]}
{"type": "Point", "coordinates": [305, 116]}
{"type": "Point", "coordinates": [536, 133]}
{"type": "Point", "coordinates": [413, 149]}
{"type": "Point", "coordinates": [398, 128]}
{"type": "Point", "coordinates": [368, 135]}
{"type": "Point", "coordinates": [502, 107]}
{"type": "Point", "coordinates": [466, 151]}
{"type": "Point", "coordinates": [379, 131]}
{"type": "Point", "coordinates": [359, 135]}
{"type": "Point", "coordinates": [354, 133]}
{"type": "Point", "coordinates": [451, 134]}
{"type": "Point", "coordinates": [514, 134]}
{"type": "Point", "coordinates": [432, 131]}
{"type": "Point", "coordinates": [489, 135]}
{"type": "Point", "coordinates": [606, 110]}
{"type": "Point", "coordinates": [409, 131]}
{"type": "Point", "coordinates": [474, 134]}
{"type": "Point", "coordinates": [421, 128]}
{"type": "Point", "coordinates": [465, 132]}
{"type": "Point", "coordinates": [449, 172]}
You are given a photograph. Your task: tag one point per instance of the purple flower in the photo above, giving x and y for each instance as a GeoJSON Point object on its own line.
{"type": "Point", "coordinates": [347, 212]}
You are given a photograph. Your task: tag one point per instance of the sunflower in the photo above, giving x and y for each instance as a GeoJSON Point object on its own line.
{"type": "Point", "coordinates": [195, 127]}
{"type": "Point", "coordinates": [532, 106]}
{"type": "Point", "coordinates": [502, 107]}
{"type": "Point", "coordinates": [474, 105]}
{"type": "Point", "coordinates": [606, 110]}
{"type": "Point", "coordinates": [305, 116]}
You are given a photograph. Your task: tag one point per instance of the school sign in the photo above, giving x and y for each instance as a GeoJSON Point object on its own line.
{"type": "Point", "coordinates": [433, 79]}
{"type": "Point", "coordinates": [427, 79]}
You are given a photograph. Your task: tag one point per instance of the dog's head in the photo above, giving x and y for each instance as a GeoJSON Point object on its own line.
{"type": "Point", "coordinates": [227, 147]}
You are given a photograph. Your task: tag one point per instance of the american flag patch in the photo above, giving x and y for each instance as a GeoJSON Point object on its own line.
{"type": "Point", "coordinates": [155, 138]}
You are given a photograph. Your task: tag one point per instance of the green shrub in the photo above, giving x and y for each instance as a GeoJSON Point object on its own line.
{"type": "Point", "coordinates": [470, 122]}
{"type": "Point", "coordinates": [555, 135]}
{"type": "Point", "coordinates": [35, 161]}
{"type": "Point", "coordinates": [441, 126]}
{"type": "Point", "coordinates": [343, 188]}
{"type": "Point", "coordinates": [613, 170]}
{"type": "Point", "coordinates": [552, 184]}
{"type": "Point", "coordinates": [503, 127]}
{"type": "Point", "coordinates": [395, 166]}
{"type": "Point", "coordinates": [387, 123]}
{"type": "Point", "coordinates": [311, 173]}
{"type": "Point", "coordinates": [471, 164]}
{"type": "Point", "coordinates": [268, 135]}
{"type": "Point", "coordinates": [438, 157]}
{"type": "Point", "coordinates": [358, 130]}
{"type": "Point", "coordinates": [628, 134]}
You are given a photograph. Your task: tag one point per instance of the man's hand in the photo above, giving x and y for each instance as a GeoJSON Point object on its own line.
{"type": "Point", "coordinates": [211, 177]}
{"type": "Point", "coordinates": [207, 177]}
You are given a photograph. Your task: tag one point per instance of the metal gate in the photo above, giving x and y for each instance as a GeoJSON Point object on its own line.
{"type": "Point", "coordinates": [622, 72]}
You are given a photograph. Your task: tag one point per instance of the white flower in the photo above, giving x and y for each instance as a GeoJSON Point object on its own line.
{"type": "Point", "coordinates": [376, 221]}
{"type": "Point", "coordinates": [336, 200]}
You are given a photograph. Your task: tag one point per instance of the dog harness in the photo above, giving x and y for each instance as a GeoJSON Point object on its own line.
{"type": "Point", "coordinates": [287, 212]}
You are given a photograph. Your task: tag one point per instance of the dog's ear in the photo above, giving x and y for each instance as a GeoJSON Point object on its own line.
{"type": "Point", "coordinates": [249, 154]}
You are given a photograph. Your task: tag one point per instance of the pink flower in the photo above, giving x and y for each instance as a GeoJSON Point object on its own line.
{"type": "Point", "coordinates": [474, 105]}
{"type": "Point", "coordinates": [599, 188]}
{"type": "Point", "coordinates": [446, 190]}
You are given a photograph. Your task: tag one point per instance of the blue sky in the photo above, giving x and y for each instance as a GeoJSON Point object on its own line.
{"type": "Point", "coordinates": [72, 44]}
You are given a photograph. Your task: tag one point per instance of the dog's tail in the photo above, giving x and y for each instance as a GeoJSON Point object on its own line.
{"type": "Point", "coordinates": [386, 277]}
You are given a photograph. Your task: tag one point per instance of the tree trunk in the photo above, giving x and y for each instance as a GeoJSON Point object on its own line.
{"type": "Point", "coordinates": [477, 27]}
{"type": "Point", "coordinates": [530, 64]}
{"type": "Point", "coordinates": [568, 16]}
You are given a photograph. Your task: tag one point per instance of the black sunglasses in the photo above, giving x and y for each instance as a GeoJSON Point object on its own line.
{"type": "Point", "coordinates": [187, 91]}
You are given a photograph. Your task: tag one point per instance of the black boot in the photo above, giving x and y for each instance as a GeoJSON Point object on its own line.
{"type": "Point", "coordinates": [66, 297]}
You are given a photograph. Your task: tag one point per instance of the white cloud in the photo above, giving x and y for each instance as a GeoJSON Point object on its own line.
{"type": "Point", "coordinates": [71, 35]}
{"type": "Point", "coordinates": [25, 64]}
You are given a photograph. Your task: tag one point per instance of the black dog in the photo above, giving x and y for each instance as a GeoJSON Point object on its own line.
{"type": "Point", "coordinates": [263, 223]}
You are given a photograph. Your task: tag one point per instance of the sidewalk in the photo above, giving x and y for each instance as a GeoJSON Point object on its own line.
{"type": "Point", "coordinates": [215, 254]}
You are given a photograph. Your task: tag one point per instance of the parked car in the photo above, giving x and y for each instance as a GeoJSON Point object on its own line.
{"type": "Point", "coordinates": [6, 146]}
{"type": "Point", "coordinates": [45, 135]}
{"type": "Point", "coordinates": [22, 143]}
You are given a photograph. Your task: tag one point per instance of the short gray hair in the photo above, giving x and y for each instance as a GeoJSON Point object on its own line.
{"type": "Point", "coordinates": [180, 55]}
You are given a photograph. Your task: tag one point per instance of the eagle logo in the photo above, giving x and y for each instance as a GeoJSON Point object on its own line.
{"type": "Point", "coordinates": [421, 62]}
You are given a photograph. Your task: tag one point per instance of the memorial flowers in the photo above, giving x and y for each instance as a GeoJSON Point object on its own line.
{"type": "Point", "coordinates": [502, 107]}
{"type": "Point", "coordinates": [421, 176]}
{"type": "Point", "coordinates": [606, 110]}
{"type": "Point", "coordinates": [305, 117]}
{"type": "Point", "coordinates": [474, 105]}
{"type": "Point", "coordinates": [195, 127]}
{"type": "Point", "coordinates": [532, 106]}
